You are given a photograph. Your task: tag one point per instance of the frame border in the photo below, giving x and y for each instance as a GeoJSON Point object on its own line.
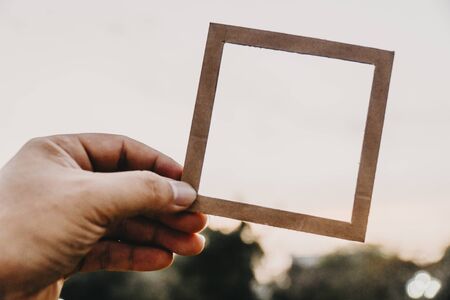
{"type": "Point", "coordinates": [220, 34]}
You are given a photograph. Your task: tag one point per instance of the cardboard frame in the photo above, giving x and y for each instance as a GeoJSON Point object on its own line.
{"type": "Point", "coordinates": [220, 34]}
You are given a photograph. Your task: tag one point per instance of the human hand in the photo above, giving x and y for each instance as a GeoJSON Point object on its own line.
{"type": "Point", "coordinates": [90, 202]}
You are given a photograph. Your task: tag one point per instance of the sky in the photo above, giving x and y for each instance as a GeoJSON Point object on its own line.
{"type": "Point", "coordinates": [286, 129]}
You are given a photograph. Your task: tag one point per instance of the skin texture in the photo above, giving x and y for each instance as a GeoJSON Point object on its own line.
{"type": "Point", "coordinates": [88, 202]}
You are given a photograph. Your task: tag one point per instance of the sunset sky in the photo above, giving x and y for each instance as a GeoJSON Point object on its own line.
{"type": "Point", "coordinates": [286, 129]}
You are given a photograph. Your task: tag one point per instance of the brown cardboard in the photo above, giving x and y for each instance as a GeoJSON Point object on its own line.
{"type": "Point", "coordinates": [218, 35]}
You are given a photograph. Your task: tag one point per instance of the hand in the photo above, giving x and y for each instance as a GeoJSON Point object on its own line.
{"type": "Point", "coordinates": [90, 202]}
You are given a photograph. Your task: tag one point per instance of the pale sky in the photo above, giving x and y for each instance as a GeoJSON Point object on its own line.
{"type": "Point", "coordinates": [287, 128]}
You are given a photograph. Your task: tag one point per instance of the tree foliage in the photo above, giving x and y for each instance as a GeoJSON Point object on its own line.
{"type": "Point", "coordinates": [366, 274]}
{"type": "Point", "coordinates": [225, 271]}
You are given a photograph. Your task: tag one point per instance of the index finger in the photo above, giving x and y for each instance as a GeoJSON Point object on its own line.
{"type": "Point", "coordinates": [100, 152]}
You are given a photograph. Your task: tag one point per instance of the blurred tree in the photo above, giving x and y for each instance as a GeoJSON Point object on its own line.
{"type": "Point", "coordinates": [223, 271]}
{"type": "Point", "coordinates": [365, 274]}
{"type": "Point", "coordinates": [441, 270]}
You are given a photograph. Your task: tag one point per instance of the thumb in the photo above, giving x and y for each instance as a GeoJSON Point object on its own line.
{"type": "Point", "coordinates": [124, 194]}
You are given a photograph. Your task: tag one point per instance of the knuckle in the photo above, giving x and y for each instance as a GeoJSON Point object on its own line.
{"type": "Point", "coordinates": [41, 144]}
{"type": "Point", "coordinates": [47, 143]}
{"type": "Point", "coordinates": [122, 137]}
{"type": "Point", "coordinates": [37, 141]}
{"type": "Point", "coordinates": [118, 137]}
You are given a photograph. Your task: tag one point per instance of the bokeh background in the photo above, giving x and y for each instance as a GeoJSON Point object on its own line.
{"type": "Point", "coordinates": [286, 133]}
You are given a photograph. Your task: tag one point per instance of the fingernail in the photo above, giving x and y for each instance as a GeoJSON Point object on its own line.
{"type": "Point", "coordinates": [183, 193]}
{"type": "Point", "coordinates": [202, 237]}
{"type": "Point", "coordinates": [203, 241]}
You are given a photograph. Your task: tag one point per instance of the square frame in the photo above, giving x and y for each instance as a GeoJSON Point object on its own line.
{"type": "Point", "coordinates": [220, 34]}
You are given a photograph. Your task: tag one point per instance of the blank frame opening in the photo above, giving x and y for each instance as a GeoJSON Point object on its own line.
{"type": "Point", "coordinates": [286, 131]}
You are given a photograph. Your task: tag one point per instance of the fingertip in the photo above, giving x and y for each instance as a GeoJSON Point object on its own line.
{"type": "Point", "coordinates": [168, 260]}
{"type": "Point", "coordinates": [203, 221]}
{"type": "Point", "coordinates": [196, 246]}
{"type": "Point", "coordinates": [189, 246]}
{"type": "Point", "coordinates": [189, 222]}
{"type": "Point", "coordinates": [202, 244]}
{"type": "Point", "coordinates": [183, 194]}
{"type": "Point", "coordinates": [198, 222]}
{"type": "Point", "coordinates": [152, 259]}
{"type": "Point", "coordinates": [167, 167]}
